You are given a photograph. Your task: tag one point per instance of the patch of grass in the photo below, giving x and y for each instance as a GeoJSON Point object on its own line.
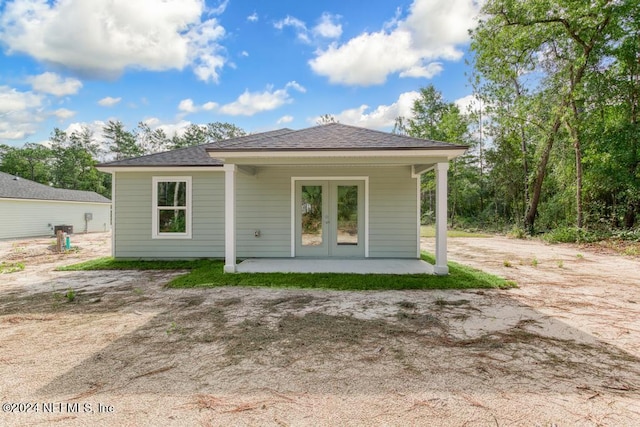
{"type": "Point", "coordinates": [70, 295]}
{"type": "Point", "coordinates": [174, 328]}
{"type": "Point", "coordinates": [560, 264]}
{"type": "Point", "coordinates": [209, 274]}
{"type": "Point", "coordinates": [430, 231]}
{"type": "Point", "coordinates": [109, 263]}
{"type": "Point", "coordinates": [11, 267]}
{"type": "Point", "coordinates": [507, 263]}
{"type": "Point", "coordinates": [534, 262]}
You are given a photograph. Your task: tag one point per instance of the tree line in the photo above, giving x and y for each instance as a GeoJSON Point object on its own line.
{"type": "Point", "coordinates": [554, 136]}
{"type": "Point", "coordinates": [68, 160]}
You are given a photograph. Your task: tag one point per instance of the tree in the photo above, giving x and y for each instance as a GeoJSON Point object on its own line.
{"type": "Point", "coordinates": [121, 142]}
{"type": "Point", "coordinates": [73, 165]}
{"type": "Point", "coordinates": [434, 118]}
{"type": "Point", "coordinates": [219, 131]}
{"type": "Point", "coordinates": [151, 141]}
{"type": "Point", "coordinates": [31, 161]}
{"type": "Point", "coordinates": [204, 134]}
{"type": "Point", "coordinates": [548, 49]}
{"type": "Point", "coordinates": [326, 119]}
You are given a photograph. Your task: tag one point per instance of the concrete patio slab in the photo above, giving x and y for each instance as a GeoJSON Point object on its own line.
{"type": "Point", "coordinates": [357, 266]}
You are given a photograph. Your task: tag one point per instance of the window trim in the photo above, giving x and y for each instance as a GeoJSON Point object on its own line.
{"type": "Point", "coordinates": [155, 209]}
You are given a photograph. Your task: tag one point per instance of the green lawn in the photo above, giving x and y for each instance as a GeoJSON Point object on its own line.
{"type": "Point", "coordinates": [209, 274]}
{"type": "Point", "coordinates": [430, 231]}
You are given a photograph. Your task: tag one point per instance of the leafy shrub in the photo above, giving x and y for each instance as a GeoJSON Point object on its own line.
{"type": "Point", "coordinates": [629, 235]}
{"type": "Point", "coordinates": [517, 232]}
{"type": "Point", "coordinates": [571, 235]}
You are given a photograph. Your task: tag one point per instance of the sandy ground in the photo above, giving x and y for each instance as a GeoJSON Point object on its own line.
{"type": "Point", "coordinates": [562, 349]}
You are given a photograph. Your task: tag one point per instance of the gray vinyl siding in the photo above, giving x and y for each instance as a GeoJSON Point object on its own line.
{"type": "Point", "coordinates": [393, 215]}
{"type": "Point", "coordinates": [31, 218]}
{"type": "Point", "coordinates": [263, 202]}
{"type": "Point", "coordinates": [133, 213]}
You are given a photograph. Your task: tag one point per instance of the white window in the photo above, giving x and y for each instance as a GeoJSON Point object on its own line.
{"type": "Point", "coordinates": [171, 217]}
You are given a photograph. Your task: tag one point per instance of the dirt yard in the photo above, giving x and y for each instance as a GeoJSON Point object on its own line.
{"type": "Point", "coordinates": [562, 349]}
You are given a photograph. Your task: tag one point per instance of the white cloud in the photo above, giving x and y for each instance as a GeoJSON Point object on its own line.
{"type": "Point", "coordinates": [327, 27]}
{"type": "Point", "coordinates": [209, 106]}
{"type": "Point", "coordinates": [297, 86]}
{"type": "Point", "coordinates": [244, 53]}
{"type": "Point", "coordinates": [54, 84]}
{"type": "Point", "coordinates": [432, 31]}
{"type": "Point", "coordinates": [20, 113]}
{"type": "Point", "coordinates": [12, 101]}
{"type": "Point", "coordinates": [187, 106]}
{"type": "Point", "coordinates": [102, 38]}
{"type": "Point", "coordinates": [253, 17]}
{"type": "Point", "coordinates": [64, 114]}
{"type": "Point", "coordinates": [383, 116]}
{"type": "Point", "coordinates": [204, 55]}
{"type": "Point", "coordinates": [428, 71]}
{"type": "Point", "coordinates": [250, 103]}
{"type": "Point", "coordinates": [109, 101]}
{"type": "Point", "coordinates": [285, 119]}
{"type": "Point", "coordinates": [299, 26]}
{"type": "Point", "coordinates": [219, 10]}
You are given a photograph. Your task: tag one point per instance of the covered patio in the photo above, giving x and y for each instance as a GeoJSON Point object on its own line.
{"type": "Point", "coordinates": [354, 266]}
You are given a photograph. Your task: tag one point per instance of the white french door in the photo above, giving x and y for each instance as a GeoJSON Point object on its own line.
{"type": "Point", "coordinates": [329, 218]}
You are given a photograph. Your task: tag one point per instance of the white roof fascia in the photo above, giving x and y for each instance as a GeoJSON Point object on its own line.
{"type": "Point", "coordinates": [448, 153]}
{"type": "Point", "coordinates": [111, 169]}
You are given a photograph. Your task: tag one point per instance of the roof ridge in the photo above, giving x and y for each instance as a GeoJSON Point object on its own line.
{"type": "Point", "coordinates": [381, 132]}
{"type": "Point", "coordinates": [266, 134]}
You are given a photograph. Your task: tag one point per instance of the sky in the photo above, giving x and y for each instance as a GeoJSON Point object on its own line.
{"type": "Point", "coordinates": [258, 64]}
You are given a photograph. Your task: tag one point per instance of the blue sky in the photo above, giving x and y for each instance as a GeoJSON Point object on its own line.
{"type": "Point", "coordinates": [258, 64]}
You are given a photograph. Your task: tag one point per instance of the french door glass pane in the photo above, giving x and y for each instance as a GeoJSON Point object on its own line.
{"type": "Point", "coordinates": [311, 209]}
{"type": "Point", "coordinates": [347, 232]}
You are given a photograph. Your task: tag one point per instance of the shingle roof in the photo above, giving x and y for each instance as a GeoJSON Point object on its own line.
{"type": "Point", "coordinates": [336, 136]}
{"type": "Point", "coordinates": [12, 187]}
{"type": "Point", "coordinates": [333, 136]}
{"type": "Point", "coordinates": [191, 156]}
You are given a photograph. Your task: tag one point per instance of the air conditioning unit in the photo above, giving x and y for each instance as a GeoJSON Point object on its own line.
{"type": "Point", "coordinates": [64, 228]}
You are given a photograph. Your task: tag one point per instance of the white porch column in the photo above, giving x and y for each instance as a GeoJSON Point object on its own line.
{"type": "Point", "coordinates": [230, 218]}
{"type": "Point", "coordinates": [441, 267]}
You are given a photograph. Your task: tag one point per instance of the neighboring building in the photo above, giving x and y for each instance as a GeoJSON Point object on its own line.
{"type": "Point", "coordinates": [30, 209]}
{"type": "Point", "coordinates": [327, 191]}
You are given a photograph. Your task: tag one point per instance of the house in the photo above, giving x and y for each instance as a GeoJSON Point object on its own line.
{"type": "Point", "coordinates": [329, 191]}
{"type": "Point", "coordinates": [30, 209]}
